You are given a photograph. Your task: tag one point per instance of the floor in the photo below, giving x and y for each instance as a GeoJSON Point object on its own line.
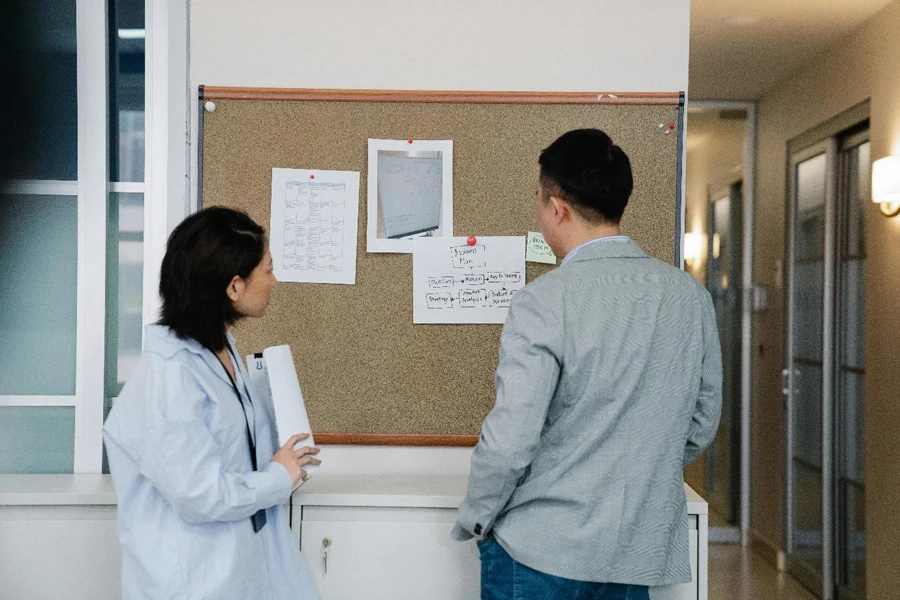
{"type": "Point", "coordinates": [738, 574]}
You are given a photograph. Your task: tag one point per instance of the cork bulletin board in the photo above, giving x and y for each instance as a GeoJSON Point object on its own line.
{"type": "Point", "coordinates": [369, 376]}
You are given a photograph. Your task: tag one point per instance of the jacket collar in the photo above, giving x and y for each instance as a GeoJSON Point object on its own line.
{"type": "Point", "coordinates": [613, 248]}
{"type": "Point", "coordinates": [165, 342]}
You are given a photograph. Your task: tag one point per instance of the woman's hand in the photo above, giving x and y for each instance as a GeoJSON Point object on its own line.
{"type": "Point", "coordinates": [294, 460]}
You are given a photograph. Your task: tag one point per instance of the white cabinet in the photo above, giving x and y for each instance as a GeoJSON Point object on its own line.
{"type": "Point", "coordinates": [388, 537]}
{"type": "Point", "coordinates": [382, 553]}
{"type": "Point", "coordinates": [58, 538]}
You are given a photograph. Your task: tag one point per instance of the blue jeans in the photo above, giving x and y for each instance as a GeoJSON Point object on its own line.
{"type": "Point", "coordinates": [502, 578]}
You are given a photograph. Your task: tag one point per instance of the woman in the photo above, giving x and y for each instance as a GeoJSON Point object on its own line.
{"type": "Point", "coordinates": [197, 518]}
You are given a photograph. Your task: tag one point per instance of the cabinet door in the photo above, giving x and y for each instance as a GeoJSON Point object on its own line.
{"type": "Point", "coordinates": [388, 554]}
{"type": "Point", "coordinates": [684, 591]}
{"type": "Point", "coordinates": [50, 552]}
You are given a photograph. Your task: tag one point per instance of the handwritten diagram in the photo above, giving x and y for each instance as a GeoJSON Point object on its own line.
{"type": "Point", "coordinates": [472, 290]}
{"type": "Point", "coordinates": [457, 283]}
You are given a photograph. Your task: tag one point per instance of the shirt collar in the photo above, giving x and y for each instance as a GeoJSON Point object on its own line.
{"type": "Point", "coordinates": [605, 238]}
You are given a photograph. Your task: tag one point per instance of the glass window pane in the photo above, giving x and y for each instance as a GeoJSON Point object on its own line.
{"type": "Point", "coordinates": [124, 280]}
{"type": "Point", "coordinates": [808, 414]}
{"type": "Point", "coordinates": [810, 229]}
{"type": "Point", "coordinates": [808, 298]}
{"type": "Point", "coordinates": [719, 259]}
{"type": "Point", "coordinates": [852, 423]}
{"type": "Point", "coordinates": [37, 439]}
{"type": "Point", "coordinates": [853, 314]}
{"type": "Point", "coordinates": [808, 515]}
{"type": "Point", "coordinates": [38, 242]}
{"type": "Point", "coordinates": [858, 199]}
{"type": "Point", "coordinates": [853, 542]}
{"type": "Point", "coordinates": [126, 94]}
{"type": "Point", "coordinates": [38, 116]}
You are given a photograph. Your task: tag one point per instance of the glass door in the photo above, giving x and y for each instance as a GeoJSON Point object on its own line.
{"type": "Point", "coordinates": [855, 195]}
{"type": "Point", "coordinates": [824, 370]}
{"type": "Point", "coordinates": [809, 220]}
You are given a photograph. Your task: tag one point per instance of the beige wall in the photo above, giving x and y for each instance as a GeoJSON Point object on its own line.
{"type": "Point", "coordinates": [865, 65]}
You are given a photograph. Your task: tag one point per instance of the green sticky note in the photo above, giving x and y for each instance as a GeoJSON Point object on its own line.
{"type": "Point", "coordinates": [537, 250]}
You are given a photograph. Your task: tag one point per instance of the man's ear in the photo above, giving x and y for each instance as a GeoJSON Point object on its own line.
{"type": "Point", "coordinates": [235, 288]}
{"type": "Point", "coordinates": [561, 209]}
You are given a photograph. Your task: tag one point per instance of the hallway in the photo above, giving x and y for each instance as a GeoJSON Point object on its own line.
{"type": "Point", "coordinates": [738, 574]}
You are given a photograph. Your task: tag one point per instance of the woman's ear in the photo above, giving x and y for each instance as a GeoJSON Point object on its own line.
{"type": "Point", "coordinates": [235, 288]}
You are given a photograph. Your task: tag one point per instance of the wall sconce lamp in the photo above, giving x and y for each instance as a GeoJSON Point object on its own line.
{"type": "Point", "coordinates": [693, 247]}
{"type": "Point", "coordinates": [886, 185]}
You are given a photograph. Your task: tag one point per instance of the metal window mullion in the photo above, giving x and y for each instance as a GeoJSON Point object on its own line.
{"type": "Point", "coordinates": [12, 400]}
{"type": "Point", "coordinates": [156, 90]}
{"type": "Point", "coordinates": [749, 203]}
{"type": "Point", "coordinates": [828, 368]}
{"type": "Point", "coordinates": [93, 156]}
{"type": "Point", "coordinates": [126, 187]}
{"type": "Point", "coordinates": [39, 187]}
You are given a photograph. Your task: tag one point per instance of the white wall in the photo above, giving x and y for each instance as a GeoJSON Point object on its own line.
{"type": "Point", "coordinates": [580, 45]}
{"type": "Point", "coordinates": [521, 45]}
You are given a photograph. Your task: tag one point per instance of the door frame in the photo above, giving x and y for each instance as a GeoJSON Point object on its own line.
{"type": "Point", "coordinates": [798, 569]}
{"type": "Point", "coordinates": [749, 208]}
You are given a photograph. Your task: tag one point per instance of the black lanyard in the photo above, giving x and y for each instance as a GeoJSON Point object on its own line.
{"type": "Point", "coordinates": [258, 519]}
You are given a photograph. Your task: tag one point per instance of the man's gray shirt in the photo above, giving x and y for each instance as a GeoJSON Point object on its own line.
{"type": "Point", "coordinates": [609, 383]}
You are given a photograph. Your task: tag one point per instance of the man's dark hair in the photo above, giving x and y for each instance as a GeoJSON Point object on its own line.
{"type": "Point", "coordinates": [203, 255]}
{"type": "Point", "coordinates": [584, 168]}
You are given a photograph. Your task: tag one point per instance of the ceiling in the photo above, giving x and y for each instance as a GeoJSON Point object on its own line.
{"type": "Point", "coordinates": [741, 48]}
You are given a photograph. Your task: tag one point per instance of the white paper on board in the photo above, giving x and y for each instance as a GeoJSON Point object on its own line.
{"type": "Point", "coordinates": [454, 282]}
{"type": "Point", "coordinates": [315, 217]}
{"type": "Point", "coordinates": [410, 193]}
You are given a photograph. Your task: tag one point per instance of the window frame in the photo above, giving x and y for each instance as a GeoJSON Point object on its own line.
{"type": "Point", "coordinates": [166, 33]}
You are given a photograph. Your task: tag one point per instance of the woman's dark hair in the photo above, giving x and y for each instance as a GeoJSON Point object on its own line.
{"type": "Point", "coordinates": [203, 255]}
{"type": "Point", "coordinates": [584, 168]}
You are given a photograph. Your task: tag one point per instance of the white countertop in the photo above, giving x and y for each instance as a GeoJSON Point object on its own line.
{"type": "Point", "coordinates": [408, 491]}
{"type": "Point", "coordinates": [405, 491]}
{"type": "Point", "coordinates": [56, 490]}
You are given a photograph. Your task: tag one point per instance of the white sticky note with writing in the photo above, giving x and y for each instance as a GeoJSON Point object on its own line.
{"type": "Point", "coordinates": [537, 250]}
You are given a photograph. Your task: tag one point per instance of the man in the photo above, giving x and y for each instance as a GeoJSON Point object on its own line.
{"type": "Point", "coordinates": [609, 383]}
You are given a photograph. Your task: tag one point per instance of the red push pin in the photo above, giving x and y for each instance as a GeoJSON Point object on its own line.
{"type": "Point", "coordinates": [311, 176]}
{"type": "Point", "coordinates": [410, 140]}
{"type": "Point", "coordinates": [671, 125]}
{"type": "Point", "coordinates": [471, 241]}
